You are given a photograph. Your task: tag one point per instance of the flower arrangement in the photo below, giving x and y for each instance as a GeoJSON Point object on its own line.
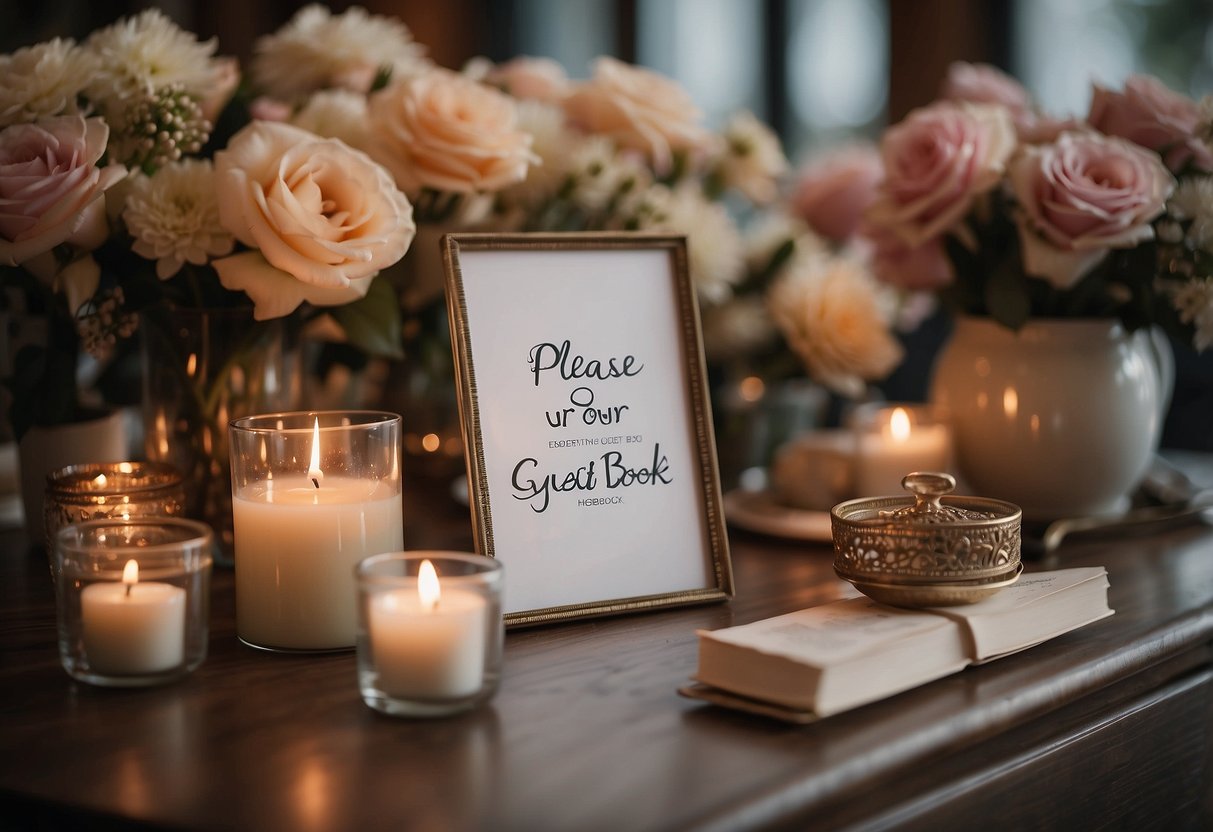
{"type": "Point", "coordinates": [1013, 214]}
{"type": "Point", "coordinates": [129, 176]}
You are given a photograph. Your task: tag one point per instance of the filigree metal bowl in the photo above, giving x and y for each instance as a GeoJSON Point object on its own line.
{"type": "Point", "coordinates": [927, 549]}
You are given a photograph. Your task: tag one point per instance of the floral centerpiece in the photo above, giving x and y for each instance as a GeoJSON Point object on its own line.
{"type": "Point", "coordinates": [1043, 226]}
{"type": "Point", "coordinates": [132, 185]}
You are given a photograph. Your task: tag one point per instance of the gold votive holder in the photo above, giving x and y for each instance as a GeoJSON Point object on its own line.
{"type": "Point", "coordinates": [109, 491]}
{"type": "Point", "coordinates": [927, 548]}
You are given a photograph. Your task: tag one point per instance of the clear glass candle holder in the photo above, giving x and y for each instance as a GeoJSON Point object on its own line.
{"type": "Point", "coordinates": [430, 632]}
{"type": "Point", "coordinates": [312, 495]}
{"type": "Point", "coordinates": [108, 490]}
{"type": "Point", "coordinates": [133, 599]}
{"type": "Point", "coordinates": [895, 439]}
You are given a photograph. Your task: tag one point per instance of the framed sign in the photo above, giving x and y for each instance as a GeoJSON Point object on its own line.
{"type": "Point", "coordinates": [587, 424]}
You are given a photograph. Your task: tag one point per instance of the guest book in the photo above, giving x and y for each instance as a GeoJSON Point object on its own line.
{"type": "Point", "coordinates": [831, 658]}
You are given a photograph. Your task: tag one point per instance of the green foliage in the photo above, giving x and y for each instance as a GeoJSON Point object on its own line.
{"type": "Point", "coordinates": [373, 323]}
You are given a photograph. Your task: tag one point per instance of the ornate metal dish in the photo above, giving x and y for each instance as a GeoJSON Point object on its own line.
{"type": "Point", "coordinates": [929, 549]}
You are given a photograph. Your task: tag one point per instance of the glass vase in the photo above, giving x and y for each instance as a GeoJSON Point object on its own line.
{"type": "Point", "coordinates": [201, 369]}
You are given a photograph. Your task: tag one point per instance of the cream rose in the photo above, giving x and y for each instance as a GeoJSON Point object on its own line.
{"type": "Point", "coordinates": [1082, 196]}
{"type": "Point", "coordinates": [639, 109]}
{"type": "Point", "coordinates": [51, 190]}
{"type": "Point", "coordinates": [541, 79]}
{"type": "Point", "coordinates": [1151, 115]}
{"type": "Point", "coordinates": [447, 132]}
{"type": "Point", "coordinates": [936, 163]}
{"type": "Point", "coordinates": [324, 217]}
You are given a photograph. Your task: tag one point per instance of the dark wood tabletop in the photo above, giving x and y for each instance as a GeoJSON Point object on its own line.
{"type": "Point", "coordinates": [1109, 724]}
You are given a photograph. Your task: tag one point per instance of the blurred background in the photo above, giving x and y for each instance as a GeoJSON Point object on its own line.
{"type": "Point", "coordinates": [818, 71]}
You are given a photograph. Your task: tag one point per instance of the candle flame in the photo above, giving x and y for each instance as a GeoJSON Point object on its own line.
{"type": "Point", "coordinates": [130, 575]}
{"type": "Point", "coordinates": [100, 480]}
{"type": "Point", "coordinates": [427, 585]}
{"type": "Point", "coordinates": [313, 472]}
{"type": "Point", "coordinates": [899, 425]}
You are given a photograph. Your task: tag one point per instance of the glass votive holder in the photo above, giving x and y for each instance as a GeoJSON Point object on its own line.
{"type": "Point", "coordinates": [312, 495]}
{"type": "Point", "coordinates": [133, 599]}
{"type": "Point", "coordinates": [430, 632]}
{"type": "Point", "coordinates": [895, 439]}
{"type": "Point", "coordinates": [107, 490]}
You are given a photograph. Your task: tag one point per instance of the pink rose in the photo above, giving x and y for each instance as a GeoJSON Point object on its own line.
{"type": "Point", "coordinates": [524, 77]}
{"type": "Point", "coordinates": [324, 217]}
{"type": "Point", "coordinates": [1082, 196]}
{"type": "Point", "coordinates": [445, 131]}
{"type": "Point", "coordinates": [985, 84]}
{"type": "Point", "coordinates": [226, 79]}
{"type": "Point", "coordinates": [833, 192]}
{"type": "Point", "coordinates": [264, 108]}
{"type": "Point", "coordinates": [640, 110]}
{"type": "Point", "coordinates": [1153, 116]}
{"type": "Point", "coordinates": [914, 268]}
{"type": "Point", "coordinates": [937, 162]}
{"type": "Point", "coordinates": [51, 190]}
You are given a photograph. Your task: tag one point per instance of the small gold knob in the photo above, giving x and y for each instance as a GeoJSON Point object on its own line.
{"type": "Point", "coordinates": [928, 487]}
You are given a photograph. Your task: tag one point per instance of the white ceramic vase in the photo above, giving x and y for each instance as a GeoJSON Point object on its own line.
{"type": "Point", "coordinates": [47, 448]}
{"type": "Point", "coordinates": [1060, 418]}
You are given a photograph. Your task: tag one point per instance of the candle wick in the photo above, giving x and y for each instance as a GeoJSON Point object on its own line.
{"type": "Point", "coordinates": [128, 590]}
{"type": "Point", "coordinates": [315, 482]}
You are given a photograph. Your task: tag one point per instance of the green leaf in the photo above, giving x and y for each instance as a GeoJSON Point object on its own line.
{"type": "Point", "coordinates": [373, 323]}
{"type": "Point", "coordinates": [1006, 296]}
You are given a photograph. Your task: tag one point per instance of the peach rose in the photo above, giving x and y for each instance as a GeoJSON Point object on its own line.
{"type": "Point", "coordinates": [541, 79]}
{"type": "Point", "coordinates": [833, 192]}
{"type": "Point", "coordinates": [324, 217]}
{"type": "Point", "coordinates": [1082, 196]}
{"type": "Point", "coordinates": [1151, 115]}
{"type": "Point", "coordinates": [936, 163]}
{"type": "Point", "coordinates": [444, 131]}
{"type": "Point", "coordinates": [639, 109]}
{"type": "Point", "coordinates": [51, 190]}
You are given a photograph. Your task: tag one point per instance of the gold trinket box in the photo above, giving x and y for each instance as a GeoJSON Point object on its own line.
{"type": "Point", "coordinates": [929, 549]}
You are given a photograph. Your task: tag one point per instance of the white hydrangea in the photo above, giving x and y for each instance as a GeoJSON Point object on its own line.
{"type": "Point", "coordinates": [319, 50]}
{"type": "Point", "coordinates": [1194, 302]}
{"type": "Point", "coordinates": [771, 230]}
{"type": "Point", "coordinates": [148, 52]}
{"type": "Point", "coordinates": [174, 216]}
{"type": "Point", "coordinates": [714, 245]}
{"type": "Point", "coordinates": [1193, 200]}
{"type": "Point", "coordinates": [836, 317]}
{"type": "Point", "coordinates": [753, 160]}
{"type": "Point", "coordinates": [336, 114]}
{"type": "Point", "coordinates": [42, 80]}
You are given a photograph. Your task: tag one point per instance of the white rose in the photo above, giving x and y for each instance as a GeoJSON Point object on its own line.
{"type": "Point", "coordinates": [325, 218]}
{"type": "Point", "coordinates": [51, 190]}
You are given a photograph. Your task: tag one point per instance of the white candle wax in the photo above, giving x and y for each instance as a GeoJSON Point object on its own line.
{"type": "Point", "coordinates": [884, 457]}
{"type": "Point", "coordinates": [128, 633]}
{"type": "Point", "coordinates": [425, 653]}
{"type": "Point", "coordinates": [296, 548]}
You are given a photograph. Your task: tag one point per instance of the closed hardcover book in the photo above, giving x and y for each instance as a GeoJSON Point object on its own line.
{"type": "Point", "coordinates": [838, 656]}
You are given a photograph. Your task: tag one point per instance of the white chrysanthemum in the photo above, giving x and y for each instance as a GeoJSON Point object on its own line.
{"type": "Point", "coordinates": [336, 114]}
{"type": "Point", "coordinates": [551, 141]}
{"type": "Point", "coordinates": [836, 317]}
{"type": "Point", "coordinates": [714, 246]}
{"type": "Point", "coordinates": [42, 80]}
{"type": "Point", "coordinates": [753, 160]}
{"type": "Point", "coordinates": [771, 231]}
{"type": "Point", "coordinates": [736, 329]}
{"type": "Point", "coordinates": [1193, 200]}
{"type": "Point", "coordinates": [174, 217]}
{"type": "Point", "coordinates": [602, 174]}
{"type": "Point", "coordinates": [319, 50]}
{"type": "Point", "coordinates": [1194, 302]}
{"type": "Point", "coordinates": [144, 53]}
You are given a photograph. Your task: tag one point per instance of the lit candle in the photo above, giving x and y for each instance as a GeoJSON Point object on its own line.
{"type": "Point", "coordinates": [133, 627]}
{"type": "Point", "coordinates": [893, 445]}
{"type": "Point", "coordinates": [297, 540]}
{"type": "Point", "coordinates": [428, 642]}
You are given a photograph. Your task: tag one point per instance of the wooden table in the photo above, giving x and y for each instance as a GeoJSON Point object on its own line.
{"type": "Point", "coordinates": [1109, 724]}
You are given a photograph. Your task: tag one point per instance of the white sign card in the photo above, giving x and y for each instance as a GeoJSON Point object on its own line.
{"type": "Point", "coordinates": [587, 423]}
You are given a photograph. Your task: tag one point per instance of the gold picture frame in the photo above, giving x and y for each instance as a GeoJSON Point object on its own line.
{"type": "Point", "coordinates": [581, 527]}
